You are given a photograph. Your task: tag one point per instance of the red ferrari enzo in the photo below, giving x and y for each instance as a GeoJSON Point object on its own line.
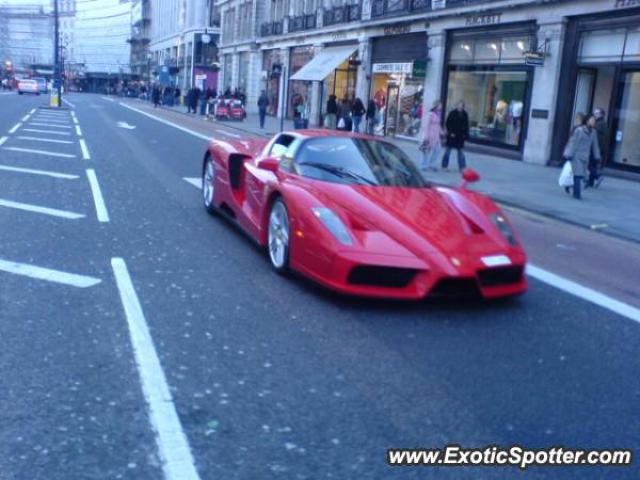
{"type": "Point", "coordinates": [354, 214]}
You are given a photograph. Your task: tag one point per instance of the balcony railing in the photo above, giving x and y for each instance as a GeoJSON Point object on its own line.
{"type": "Point", "coordinates": [380, 8]}
{"type": "Point", "coordinates": [271, 28]}
{"type": "Point", "coordinates": [302, 22]}
{"type": "Point", "coordinates": [348, 13]}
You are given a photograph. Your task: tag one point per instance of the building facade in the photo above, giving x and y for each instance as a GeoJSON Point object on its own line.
{"type": "Point", "coordinates": [184, 43]}
{"type": "Point", "coordinates": [508, 60]}
{"type": "Point", "coordinates": [140, 39]}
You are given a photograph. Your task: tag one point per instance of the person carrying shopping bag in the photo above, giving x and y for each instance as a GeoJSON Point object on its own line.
{"type": "Point", "coordinates": [582, 144]}
{"type": "Point", "coordinates": [432, 141]}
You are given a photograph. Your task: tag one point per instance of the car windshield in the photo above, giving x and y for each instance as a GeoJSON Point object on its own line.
{"type": "Point", "coordinates": [357, 161]}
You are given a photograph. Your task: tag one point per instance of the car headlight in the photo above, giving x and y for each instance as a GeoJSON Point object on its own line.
{"type": "Point", "coordinates": [504, 228]}
{"type": "Point", "coordinates": [333, 223]}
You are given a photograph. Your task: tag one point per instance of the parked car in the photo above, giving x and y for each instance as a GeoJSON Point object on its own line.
{"type": "Point", "coordinates": [354, 214]}
{"type": "Point", "coordinates": [28, 85]}
{"type": "Point", "coordinates": [42, 84]}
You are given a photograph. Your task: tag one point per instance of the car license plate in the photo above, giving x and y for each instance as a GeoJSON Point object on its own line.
{"type": "Point", "coordinates": [496, 261]}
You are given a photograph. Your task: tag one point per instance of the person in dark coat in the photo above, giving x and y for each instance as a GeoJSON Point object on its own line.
{"type": "Point", "coordinates": [263, 103]}
{"type": "Point", "coordinates": [582, 145]}
{"type": "Point", "coordinates": [371, 116]}
{"type": "Point", "coordinates": [602, 135]}
{"type": "Point", "coordinates": [155, 96]}
{"type": "Point", "coordinates": [457, 126]}
{"type": "Point", "coordinates": [358, 113]}
{"type": "Point", "coordinates": [344, 114]}
{"type": "Point", "coordinates": [331, 120]}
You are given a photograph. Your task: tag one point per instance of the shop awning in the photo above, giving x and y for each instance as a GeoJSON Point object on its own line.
{"type": "Point", "coordinates": [324, 63]}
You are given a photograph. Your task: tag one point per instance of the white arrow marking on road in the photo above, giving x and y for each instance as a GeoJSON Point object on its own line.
{"type": "Point", "coordinates": [126, 125]}
{"type": "Point", "coordinates": [37, 209]}
{"type": "Point", "coordinates": [40, 273]}
{"type": "Point", "coordinates": [195, 181]}
{"type": "Point", "coordinates": [584, 293]}
{"type": "Point", "coordinates": [38, 172]}
{"type": "Point", "coordinates": [166, 122]}
{"type": "Point", "coordinates": [173, 446]}
{"type": "Point", "coordinates": [40, 152]}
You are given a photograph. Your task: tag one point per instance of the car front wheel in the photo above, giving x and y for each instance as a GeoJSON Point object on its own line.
{"type": "Point", "coordinates": [279, 236]}
{"type": "Point", "coordinates": [208, 184]}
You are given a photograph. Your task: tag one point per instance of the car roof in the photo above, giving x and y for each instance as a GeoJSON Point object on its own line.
{"type": "Point", "coordinates": [323, 133]}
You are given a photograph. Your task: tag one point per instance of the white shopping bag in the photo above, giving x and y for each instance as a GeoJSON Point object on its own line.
{"type": "Point", "coordinates": [566, 175]}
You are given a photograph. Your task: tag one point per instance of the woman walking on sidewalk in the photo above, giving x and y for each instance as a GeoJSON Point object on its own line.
{"type": "Point", "coordinates": [432, 141]}
{"type": "Point", "coordinates": [582, 144]}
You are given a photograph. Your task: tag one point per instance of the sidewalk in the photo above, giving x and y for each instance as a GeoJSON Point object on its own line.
{"type": "Point", "coordinates": [613, 209]}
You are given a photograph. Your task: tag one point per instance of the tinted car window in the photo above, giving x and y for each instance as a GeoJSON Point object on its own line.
{"type": "Point", "coordinates": [357, 161]}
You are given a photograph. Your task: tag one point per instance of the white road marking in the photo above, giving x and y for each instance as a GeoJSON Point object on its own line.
{"type": "Point", "coordinates": [584, 293]}
{"type": "Point", "coordinates": [108, 99]}
{"type": "Point", "coordinates": [49, 124]}
{"type": "Point", "coordinates": [56, 276]}
{"type": "Point", "coordinates": [46, 113]}
{"type": "Point", "coordinates": [195, 181]}
{"type": "Point", "coordinates": [50, 140]}
{"type": "Point", "coordinates": [126, 125]}
{"type": "Point", "coordinates": [32, 111]}
{"type": "Point", "coordinates": [171, 124]}
{"type": "Point", "coordinates": [38, 172]}
{"type": "Point", "coordinates": [173, 446]}
{"type": "Point", "coordinates": [48, 119]}
{"type": "Point", "coordinates": [37, 209]}
{"type": "Point", "coordinates": [98, 200]}
{"type": "Point", "coordinates": [68, 103]}
{"type": "Point", "coordinates": [15, 127]}
{"type": "Point", "coordinates": [40, 152]}
{"type": "Point", "coordinates": [85, 150]}
{"type": "Point", "coordinates": [3, 139]}
{"type": "Point", "coordinates": [75, 120]}
{"type": "Point", "coordinates": [45, 131]}
{"type": "Point", "coordinates": [234, 135]}
{"type": "Point", "coordinates": [26, 117]}
{"type": "Point", "coordinates": [78, 131]}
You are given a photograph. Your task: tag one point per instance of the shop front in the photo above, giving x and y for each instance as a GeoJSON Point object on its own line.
{"type": "Point", "coordinates": [487, 71]}
{"type": "Point", "coordinates": [299, 91]}
{"type": "Point", "coordinates": [397, 83]}
{"type": "Point", "coordinates": [341, 82]}
{"type": "Point", "coordinates": [271, 68]}
{"type": "Point", "coordinates": [603, 72]}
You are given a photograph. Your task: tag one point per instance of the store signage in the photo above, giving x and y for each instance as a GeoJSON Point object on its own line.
{"type": "Point", "coordinates": [626, 3]}
{"type": "Point", "coordinates": [438, 4]}
{"type": "Point", "coordinates": [477, 20]}
{"type": "Point", "coordinates": [276, 70]}
{"type": "Point", "coordinates": [419, 69]}
{"type": "Point", "coordinates": [397, 29]}
{"type": "Point", "coordinates": [393, 67]}
{"type": "Point", "coordinates": [534, 59]}
{"type": "Point", "coordinates": [538, 113]}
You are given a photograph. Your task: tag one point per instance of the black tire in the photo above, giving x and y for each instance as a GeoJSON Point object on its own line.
{"type": "Point", "coordinates": [208, 184]}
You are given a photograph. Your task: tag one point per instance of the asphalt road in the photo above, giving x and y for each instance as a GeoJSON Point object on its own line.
{"type": "Point", "coordinates": [271, 377]}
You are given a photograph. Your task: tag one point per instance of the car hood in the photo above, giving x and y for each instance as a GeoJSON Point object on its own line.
{"type": "Point", "coordinates": [418, 221]}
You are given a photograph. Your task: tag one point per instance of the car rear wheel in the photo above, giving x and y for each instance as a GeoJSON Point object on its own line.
{"type": "Point", "coordinates": [278, 236]}
{"type": "Point", "coordinates": [208, 184]}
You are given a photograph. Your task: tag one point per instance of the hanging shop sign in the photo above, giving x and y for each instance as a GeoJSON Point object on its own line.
{"type": "Point", "coordinates": [438, 4]}
{"type": "Point", "coordinates": [406, 67]}
{"type": "Point", "coordinates": [534, 59]}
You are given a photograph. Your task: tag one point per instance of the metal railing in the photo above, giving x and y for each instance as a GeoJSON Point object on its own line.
{"type": "Point", "coordinates": [381, 8]}
{"type": "Point", "coordinates": [271, 28]}
{"type": "Point", "coordinates": [348, 13]}
{"type": "Point", "coordinates": [302, 22]}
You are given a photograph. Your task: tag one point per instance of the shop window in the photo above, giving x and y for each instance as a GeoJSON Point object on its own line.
{"type": "Point", "coordinates": [512, 49]}
{"type": "Point", "coordinates": [487, 51]}
{"type": "Point", "coordinates": [632, 46]}
{"type": "Point", "coordinates": [494, 102]}
{"type": "Point", "coordinates": [462, 51]}
{"type": "Point", "coordinates": [627, 133]}
{"type": "Point", "coordinates": [602, 45]}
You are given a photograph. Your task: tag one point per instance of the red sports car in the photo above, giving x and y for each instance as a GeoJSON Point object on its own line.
{"type": "Point", "coordinates": [354, 214]}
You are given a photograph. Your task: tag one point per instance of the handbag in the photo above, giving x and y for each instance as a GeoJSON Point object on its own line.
{"type": "Point", "coordinates": [566, 175]}
{"type": "Point", "coordinates": [341, 123]}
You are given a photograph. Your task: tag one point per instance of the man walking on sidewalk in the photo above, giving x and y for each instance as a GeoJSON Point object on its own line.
{"type": "Point", "coordinates": [602, 135]}
{"type": "Point", "coordinates": [457, 126]}
{"type": "Point", "coordinates": [263, 103]}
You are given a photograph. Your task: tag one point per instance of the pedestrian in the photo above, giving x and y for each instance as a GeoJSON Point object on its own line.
{"type": "Point", "coordinates": [263, 103]}
{"type": "Point", "coordinates": [187, 99]}
{"type": "Point", "coordinates": [345, 121]}
{"type": "Point", "coordinates": [195, 97]}
{"type": "Point", "coordinates": [358, 113]}
{"type": "Point", "coordinates": [331, 118]}
{"type": "Point", "coordinates": [371, 116]}
{"type": "Point", "coordinates": [432, 141]}
{"type": "Point", "coordinates": [177, 95]}
{"type": "Point", "coordinates": [457, 131]}
{"type": "Point", "coordinates": [602, 135]}
{"type": "Point", "coordinates": [582, 144]}
{"type": "Point", "coordinates": [155, 96]}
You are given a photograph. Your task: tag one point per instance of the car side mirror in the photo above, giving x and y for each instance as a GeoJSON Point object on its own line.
{"type": "Point", "coordinates": [469, 176]}
{"type": "Point", "coordinates": [271, 164]}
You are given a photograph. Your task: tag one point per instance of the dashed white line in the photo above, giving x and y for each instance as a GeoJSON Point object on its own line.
{"type": "Point", "coordinates": [75, 120]}
{"type": "Point", "coordinates": [32, 111]}
{"type": "Point", "coordinates": [195, 181]}
{"type": "Point", "coordinates": [171, 124]}
{"type": "Point", "coordinates": [26, 117]}
{"type": "Point", "coordinates": [85, 150]}
{"type": "Point", "coordinates": [15, 127]}
{"type": "Point", "coordinates": [40, 273]}
{"type": "Point", "coordinates": [584, 293]}
{"type": "Point", "coordinates": [78, 131]}
{"type": "Point", "coordinates": [173, 446]}
{"type": "Point", "coordinates": [38, 130]}
{"type": "Point", "coordinates": [64, 100]}
{"type": "Point", "coordinates": [40, 152]}
{"type": "Point", "coordinates": [38, 172]}
{"type": "Point", "coordinates": [108, 99]}
{"type": "Point", "coordinates": [49, 124]}
{"type": "Point", "coordinates": [27, 207]}
{"type": "Point", "coordinates": [98, 200]}
{"type": "Point", "coordinates": [3, 139]}
{"type": "Point", "coordinates": [49, 140]}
